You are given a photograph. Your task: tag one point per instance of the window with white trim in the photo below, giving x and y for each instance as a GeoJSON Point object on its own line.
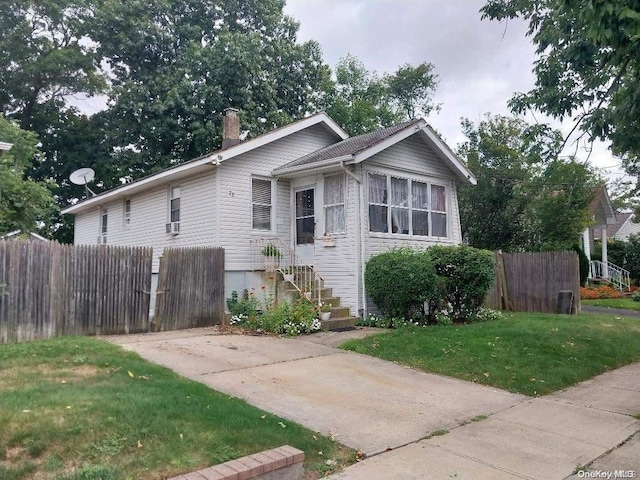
{"type": "Point", "coordinates": [126, 212]}
{"type": "Point", "coordinates": [174, 204]}
{"type": "Point", "coordinates": [334, 214]}
{"type": "Point", "coordinates": [261, 204]}
{"type": "Point", "coordinates": [104, 224]}
{"type": "Point", "coordinates": [406, 206]}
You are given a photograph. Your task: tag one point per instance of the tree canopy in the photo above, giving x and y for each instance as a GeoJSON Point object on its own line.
{"type": "Point", "coordinates": [362, 101]}
{"type": "Point", "coordinates": [24, 204]}
{"type": "Point", "coordinates": [526, 199]}
{"type": "Point", "coordinates": [588, 66]}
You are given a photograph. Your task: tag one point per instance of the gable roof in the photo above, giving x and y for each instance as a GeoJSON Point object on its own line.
{"type": "Point", "coordinates": [213, 158]}
{"type": "Point", "coordinates": [349, 146]}
{"type": "Point", "coordinates": [359, 148]}
{"type": "Point", "coordinates": [601, 208]}
{"type": "Point", "coordinates": [612, 230]}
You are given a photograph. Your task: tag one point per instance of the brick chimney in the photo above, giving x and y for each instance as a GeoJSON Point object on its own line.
{"type": "Point", "coordinates": [230, 128]}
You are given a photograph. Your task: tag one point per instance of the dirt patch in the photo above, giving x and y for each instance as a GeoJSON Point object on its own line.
{"type": "Point", "coordinates": [17, 377]}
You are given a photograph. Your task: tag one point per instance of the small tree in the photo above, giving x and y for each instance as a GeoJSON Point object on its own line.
{"type": "Point", "coordinates": [466, 273]}
{"type": "Point", "coordinates": [400, 281]}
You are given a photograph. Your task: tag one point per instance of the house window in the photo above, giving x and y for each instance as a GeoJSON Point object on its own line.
{"type": "Point", "coordinates": [334, 215]}
{"type": "Point", "coordinates": [104, 219]}
{"type": "Point", "coordinates": [400, 205]}
{"type": "Point", "coordinates": [261, 204]}
{"type": "Point", "coordinates": [378, 203]}
{"type": "Point", "coordinates": [412, 208]}
{"type": "Point", "coordinates": [127, 212]}
{"type": "Point", "coordinates": [438, 211]}
{"type": "Point", "coordinates": [174, 204]}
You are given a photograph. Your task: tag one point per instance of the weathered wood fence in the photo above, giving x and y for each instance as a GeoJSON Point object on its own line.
{"type": "Point", "coordinates": [48, 289]}
{"type": "Point", "coordinates": [190, 289]}
{"type": "Point", "coordinates": [531, 282]}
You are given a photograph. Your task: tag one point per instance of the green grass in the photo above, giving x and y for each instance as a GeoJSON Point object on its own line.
{"type": "Point", "coordinates": [533, 354]}
{"type": "Point", "coordinates": [625, 303]}
{"type": "Point", "coordinates": [83, 409]}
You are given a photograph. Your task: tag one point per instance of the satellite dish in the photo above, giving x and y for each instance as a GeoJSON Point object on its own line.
{"type": "Point", "coordinates": [83, 176]}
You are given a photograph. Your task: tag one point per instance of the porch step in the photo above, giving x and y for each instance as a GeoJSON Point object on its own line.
{"type": "Point", "coordinates": [339, 323]}
{"type": "Point", "coordinates": [340, 312]}
{"type": "Point", "coordinates": [324, 292]}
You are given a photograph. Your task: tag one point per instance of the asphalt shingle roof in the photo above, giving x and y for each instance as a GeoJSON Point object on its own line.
{"type": "Point", "coordinates": [349, 146]}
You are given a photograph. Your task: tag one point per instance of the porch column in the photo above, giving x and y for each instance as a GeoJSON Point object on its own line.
{"type": "Point", "coordinates": [586, 244]}
{"type": "Point", "coordinates": [586, 248]}
{"type": "Point", "coordinates": [605, 268]}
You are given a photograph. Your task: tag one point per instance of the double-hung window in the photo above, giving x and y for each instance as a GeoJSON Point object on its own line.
{"type": "Point", "coordinates": [104, 223]}
{"type": "Point", "coordinates": [174, 204]}
{"type": "Point", "coordinates": [405, 206]}
{"type": "Point", "coordinates": [334, 214]}
{"type": "Point", "coordinates": [127, 212]}
{"type": "Point", "coordinates": [261, 204]}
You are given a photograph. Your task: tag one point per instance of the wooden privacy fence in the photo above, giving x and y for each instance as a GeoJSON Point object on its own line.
{"type": "Point", "coordinates": [190, 289]}
{"type": "Point", "coordinates": [48, 289]}
{"type": "Point", "coordinates": [531, 282]}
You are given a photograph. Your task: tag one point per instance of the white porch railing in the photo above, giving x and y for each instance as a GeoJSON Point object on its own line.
{"type": "Point", "coordinates": [273, 254]}
{"type": "Point", "coordinates": [618, 276]}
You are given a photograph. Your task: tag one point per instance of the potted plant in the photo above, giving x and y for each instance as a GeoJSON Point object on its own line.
{"type": "Point", "coordinates": [324, 311]}
{"type": "Point", "coordinates": [271, 257]}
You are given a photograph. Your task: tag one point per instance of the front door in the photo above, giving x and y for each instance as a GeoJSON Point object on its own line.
{"type": "Point", "coordinates": [305, 228]}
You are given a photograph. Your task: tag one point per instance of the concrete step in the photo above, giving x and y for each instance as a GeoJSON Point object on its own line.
{"type": "Point", "coordinates": [339, 323]}
{"type": "Point", "coordinates": [339, 311]}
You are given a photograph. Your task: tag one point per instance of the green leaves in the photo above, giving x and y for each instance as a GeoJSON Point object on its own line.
{"type": "Point", "coordinates": [23, 202]}
{"type": "Point", "coordinates": [526, 199]}
{"type": "Point", "coordinates": [588, 65]}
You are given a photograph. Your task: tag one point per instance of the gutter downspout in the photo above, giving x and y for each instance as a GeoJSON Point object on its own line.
{"type": "Point", "coordinates": [217, 235]}
{"type": "Point", "coordinates": [360, 241]}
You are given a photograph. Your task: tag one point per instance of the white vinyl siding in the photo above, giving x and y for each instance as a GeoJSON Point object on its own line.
{"type": "Point", "coordinates": [334, 211]}
{"type": "Point", "coordinates": [261, 204]}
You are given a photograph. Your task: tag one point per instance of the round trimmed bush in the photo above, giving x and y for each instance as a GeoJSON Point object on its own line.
{"type": "Point", "coordinates": [400, 281]}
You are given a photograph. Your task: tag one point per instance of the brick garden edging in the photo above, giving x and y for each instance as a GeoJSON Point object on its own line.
{"type": "Point", "coordinates": [278, 463]}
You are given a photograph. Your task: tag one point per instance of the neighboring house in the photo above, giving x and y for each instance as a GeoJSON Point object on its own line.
{"type": "Point", "coordinates": [624, 227]}
{"type": "Point", "coordinates": [5, 147]}
{"type": "Point", "coordinates": [332, 200]}
{"type": "Point", "coordinates": [604, 218]}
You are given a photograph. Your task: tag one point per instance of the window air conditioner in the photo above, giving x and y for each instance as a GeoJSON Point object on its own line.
{"type": "Point", "coordinates": [173, 228]}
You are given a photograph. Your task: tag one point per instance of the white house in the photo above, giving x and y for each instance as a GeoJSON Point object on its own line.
{"type": "Point", "coordinates": [327, 199]}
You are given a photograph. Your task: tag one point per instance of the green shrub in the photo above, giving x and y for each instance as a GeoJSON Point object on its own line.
{"type": "Point", "coordinates": [583, 262]}
{"type": "Point", "coordinates": [465, 275]}
{"type": "Point", "coordinates": [248, 305]}
{"type": "Point", "coordinates": [635, 296]}
{"type": "Point", "coordinates": [400, 281]}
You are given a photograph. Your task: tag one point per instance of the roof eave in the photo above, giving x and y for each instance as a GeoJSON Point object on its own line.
{"type": "Point", "coordinates": [292, 171]}
{"type": "Point", "coordinates": [212, 158]}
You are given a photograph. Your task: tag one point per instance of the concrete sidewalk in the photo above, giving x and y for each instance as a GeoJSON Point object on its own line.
{"type": "Point", "coordinates": [589, 427]}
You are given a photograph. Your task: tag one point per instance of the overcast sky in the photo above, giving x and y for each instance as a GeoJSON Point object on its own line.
{"type": "Point", "coordinates": [479, 63]}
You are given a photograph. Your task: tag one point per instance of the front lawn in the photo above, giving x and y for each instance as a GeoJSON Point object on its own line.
{"type": "Point", "coordinates": [528, 353]}
{"type": "Point", "coordinates": [83, 409]}
{"type": "Point", "coordinates": [625, 303]}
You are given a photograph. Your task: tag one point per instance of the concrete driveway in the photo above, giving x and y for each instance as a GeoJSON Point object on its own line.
{"type": "Point", "coordinates": [369, 404]}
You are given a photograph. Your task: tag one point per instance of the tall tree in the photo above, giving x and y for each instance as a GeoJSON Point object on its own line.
{"type": "Point", "coordinates": [177, 64]}
{"type": "Point", "coordinates": [24, 203]}
{"type": "Point", "coordinates": [44, 56]}
{"type": "Point", "coordinates": [588, 66]}
{"type": "Point", "coordinates": [362, 101]}
{"type": "Point", "coordinates": [526, 198]}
